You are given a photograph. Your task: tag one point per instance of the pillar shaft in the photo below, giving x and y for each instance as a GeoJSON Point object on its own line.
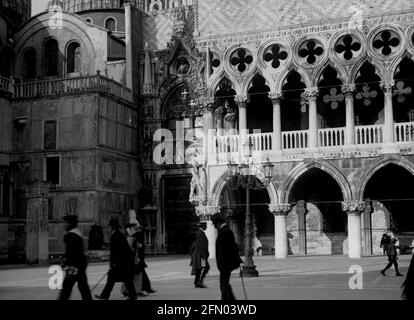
{"type": "Point", "coordinates": [350, 116]}
{"type": "Point", "coordinates": [353, 210]}
{"type": "Point", "coordinates": [388, 115]}
{"type": "Point", "coordinates": [277, 124]}
{"type": "Point", "coordinates": [312, 95]}
{"type": "Point", "coordinates": [280, 213]}
{"type": "Point", "coordinates": [205, 213]}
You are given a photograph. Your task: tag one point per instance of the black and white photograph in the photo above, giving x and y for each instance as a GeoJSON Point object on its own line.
{"type": "Point", "coordinates": [202, 156]}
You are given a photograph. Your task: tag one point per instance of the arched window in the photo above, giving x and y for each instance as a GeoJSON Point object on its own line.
{"type": "Point", "coordinates": [51, 58]}
{"type": "Point", "coordinates": [74, 58]}
{"type": "Point", "coordinates": [29, 64]}
{"type": "Point", "coordinates": [110, 24]}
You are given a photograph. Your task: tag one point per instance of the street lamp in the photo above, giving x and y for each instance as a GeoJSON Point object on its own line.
{"type": "Point", "coordinates": [243, 176]}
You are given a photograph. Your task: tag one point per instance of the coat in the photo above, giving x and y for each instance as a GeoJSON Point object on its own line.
{"type": "Point", "coordinates": [74, 255]}
{"type": "Point", "coordinates": [121, 257]}
{"type": "Point", "coordinates": [199, 250]}
{"type": "Point", "coordinates": [227, 251]}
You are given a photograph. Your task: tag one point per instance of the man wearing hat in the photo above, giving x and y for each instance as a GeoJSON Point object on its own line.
{"type": "Point", "coordinates": [227, 255]}
{"type": "Point", "coordinates": [75, 262]}
{"type": "Point", "coordinates": [121, 260]}
{"type": "Point", "coordinates": [199, 256]}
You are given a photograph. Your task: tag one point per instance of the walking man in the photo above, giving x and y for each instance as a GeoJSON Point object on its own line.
{"type": "Point", "coordinates": [392, 258]}
{"type": "Point", "coordinates": [121, 263]}
{"type": "Point", "coordinates": [75, 262]}
{"type": "Point", "coordinates": [227, 256]}
{"type": "Point", "coordinates": [199, 256]}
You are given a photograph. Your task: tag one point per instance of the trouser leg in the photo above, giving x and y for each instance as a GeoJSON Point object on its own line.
{"type": "Point", "coordinates": [226, 290]}
{"type": "Point", "coordinates": [67, 287]}
{"type": "Point", "coordinates": [106, 292]}
{"type": "Point", "coordinates": [83, 286]}
{"type": "Point", "coordinates": [204, 272]}
{"type": "Point", "coordinates": [129, 284]}
{"type": "Point", "coordinates": [197, 276]}
{"type": "Point", "coordinates": [146, 283]}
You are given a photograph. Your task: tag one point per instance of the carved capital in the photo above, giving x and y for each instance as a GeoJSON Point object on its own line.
{"type": "Point", "coordinates": [311, 93]}
{"type": "Point", "coordinates": [275, 96]}
{"type": "Point", "coordinates": [219, 112]}
{"type": "Point", "coordinates": [387, 86]}
{"type": "Point", "coordinates": [230, 117]}
{"type": "Point", "coordinates": [280, 209]}
{"type": "Point", "coordinates": [206, 212]}
{"type": "Point", "coordinates": [354, 206]}
{"type": "Point", "coordinates": [348, 90]}
{"type": "Point", "coordinates": [241, 100]}
{"type": "Point", "coordinates": [37, 189]}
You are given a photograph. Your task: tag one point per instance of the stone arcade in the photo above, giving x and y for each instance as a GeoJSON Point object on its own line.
{"type": "Point", "coordinates": [321, 89]}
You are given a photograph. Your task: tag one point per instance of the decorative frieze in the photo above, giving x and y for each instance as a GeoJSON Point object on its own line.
{"type": "Point", "coordinates": [206, 212]}
{"type": "Point", "coordinates": [353, 206]}
{"type": "Point", "coordinates": [280, 209]}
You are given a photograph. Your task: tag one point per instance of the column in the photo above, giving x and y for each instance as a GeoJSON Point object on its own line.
{"type": "Point", "coordinates": [277, 124]}
{"type": "Point", "coordinates": [37, 235]}
{"type": "Point", "coordinates": [208, 126]}
{"type": "Point", "coordinates": [280, 212]}
{"type": "Point", "coordinates": [219, 117]}
{"type": "Point", "coordinates": [367, 228]}
{"type": "Point", "coordinates": [205, 213]}
{"type": "Point", "coordinates": [128, 43]}
{"type": "Point", "coordinates": [241, 101]}
{"type": "Point", "coordinates": [354, 209]}
{"type": "Point", "coordinates": [312, 96]}
{"type": "Point", "coordinates": [301, 211]}
{"type": "Point", "coordinates": [348, 91]}
{"type": "Point", "coordinates": [388, 113]}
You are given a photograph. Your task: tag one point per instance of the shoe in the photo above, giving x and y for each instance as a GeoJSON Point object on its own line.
{"type": "Point", "coordinates": [152, 291]}
{"type": "Point", "coordinates": [383, 273]}
{"type": "Point", "coordinates": [202, 286]}
{"type": "Point", "coordinates": [132, 298]}
{"type": "Point", "coordinates": [97, 296]}
{"type": "Point", "coordinates": [399, 275]}
{"type": "Point", "coordinates": [143, 293]}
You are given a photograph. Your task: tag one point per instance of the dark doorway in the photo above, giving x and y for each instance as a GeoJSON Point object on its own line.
{"type": "Point", "coordinates": [180, 218]}
{"type": "Point", "coordinates": [259, 108]}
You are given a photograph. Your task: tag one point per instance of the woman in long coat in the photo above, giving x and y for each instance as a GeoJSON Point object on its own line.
{"type": "Point", "coordinates": [199, 256]}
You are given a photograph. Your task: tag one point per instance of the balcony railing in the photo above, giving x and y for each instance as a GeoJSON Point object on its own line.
{"type": "Point", "coordinates": [373, 134]}
{"type": "Point", "coordinates": [295, 139]}
{"type": "Point", "coordinates": [72, 85]}
{"type": "Point", "coordinates": [404, 132]}
{"type": "Point", "coordinates": [6, 85]}
{"type": "Point", "coordinates": [331, 137]}
{"type": "Point", "coordinates": [261, 141]}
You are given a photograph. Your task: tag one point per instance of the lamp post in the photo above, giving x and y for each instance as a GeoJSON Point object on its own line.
{"type": "Point", "coordinates": [243, 176]}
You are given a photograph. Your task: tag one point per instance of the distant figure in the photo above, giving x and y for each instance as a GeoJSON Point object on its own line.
{"type": "Point", "coordinates": [199, 256]}
{"type": "Point", "coordinates": [385, 242]}
{"type": "Point", "coordinates": [121, 263]}
{"type": "Point", "coordinates": [227, 256]}
{"type": "Point", "coordinates": [392, 258]}
{"type": "Point", "coordinates": [408, 284]}
{"type": "Point", "coordinates": [96, 237]}
{"type": "Point", "coordinates": [75, 262]}
{"type": "Point", "coordinates": [257, 247]}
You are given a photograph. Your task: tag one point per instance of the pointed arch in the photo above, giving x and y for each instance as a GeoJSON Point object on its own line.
{"type": "Point", "coordinates": [378, 69]}
{"type": "Point", "coordinates": [221, 183]}
{"type": "Point", "coordinates": [376, 165]}
{"type": "Point", "coordinates": [171, 90]}
{"type": "Point", "coordinates": [287, 185]}
{"type": "Point", "coordinates": [284, 74]}
{"type": "Point", "coordinates": [249, 79]}
{"type": "Point", "coordinates": [394, 65]}
{"type": "Point", "coordinates": [341, 73]}
{"type": "Point", "coordinates": [212, 88]}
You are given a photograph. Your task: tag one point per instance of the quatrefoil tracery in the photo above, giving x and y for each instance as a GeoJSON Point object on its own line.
{"type": "Point", "coordinates": [275, 54]}
{"type": "Point", "coordinates": [311, 51]}
{"type": "Point", "coordinates": [348, 46]}
{"type": "Point", "coordinates": [241, 58]}
{"type": "Point", "coordinates": [386, 41]}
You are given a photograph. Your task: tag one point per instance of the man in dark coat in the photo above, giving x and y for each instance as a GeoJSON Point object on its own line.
{"type": "Point", "coordinates": [227, 255]}
{"type": "Point", "coordinates": [199, 256]}
{"type": "Point", "coordinates": [392, 258]}
{"type": "Point", "coordinates": [75, 262]}
{"type": "Point", "coordinates": [121, 263]}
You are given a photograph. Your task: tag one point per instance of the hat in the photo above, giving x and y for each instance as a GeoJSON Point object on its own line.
{"type": "Point", "coordinates": [114, 223]}
{"type": "Point", "coordinates": [71, 219]}
{"type": "Point", "coordinates": [217, 218]}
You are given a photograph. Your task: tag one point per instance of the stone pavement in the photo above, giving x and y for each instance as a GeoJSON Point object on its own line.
{"type": "Point", "coordinates": [296, 278]}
